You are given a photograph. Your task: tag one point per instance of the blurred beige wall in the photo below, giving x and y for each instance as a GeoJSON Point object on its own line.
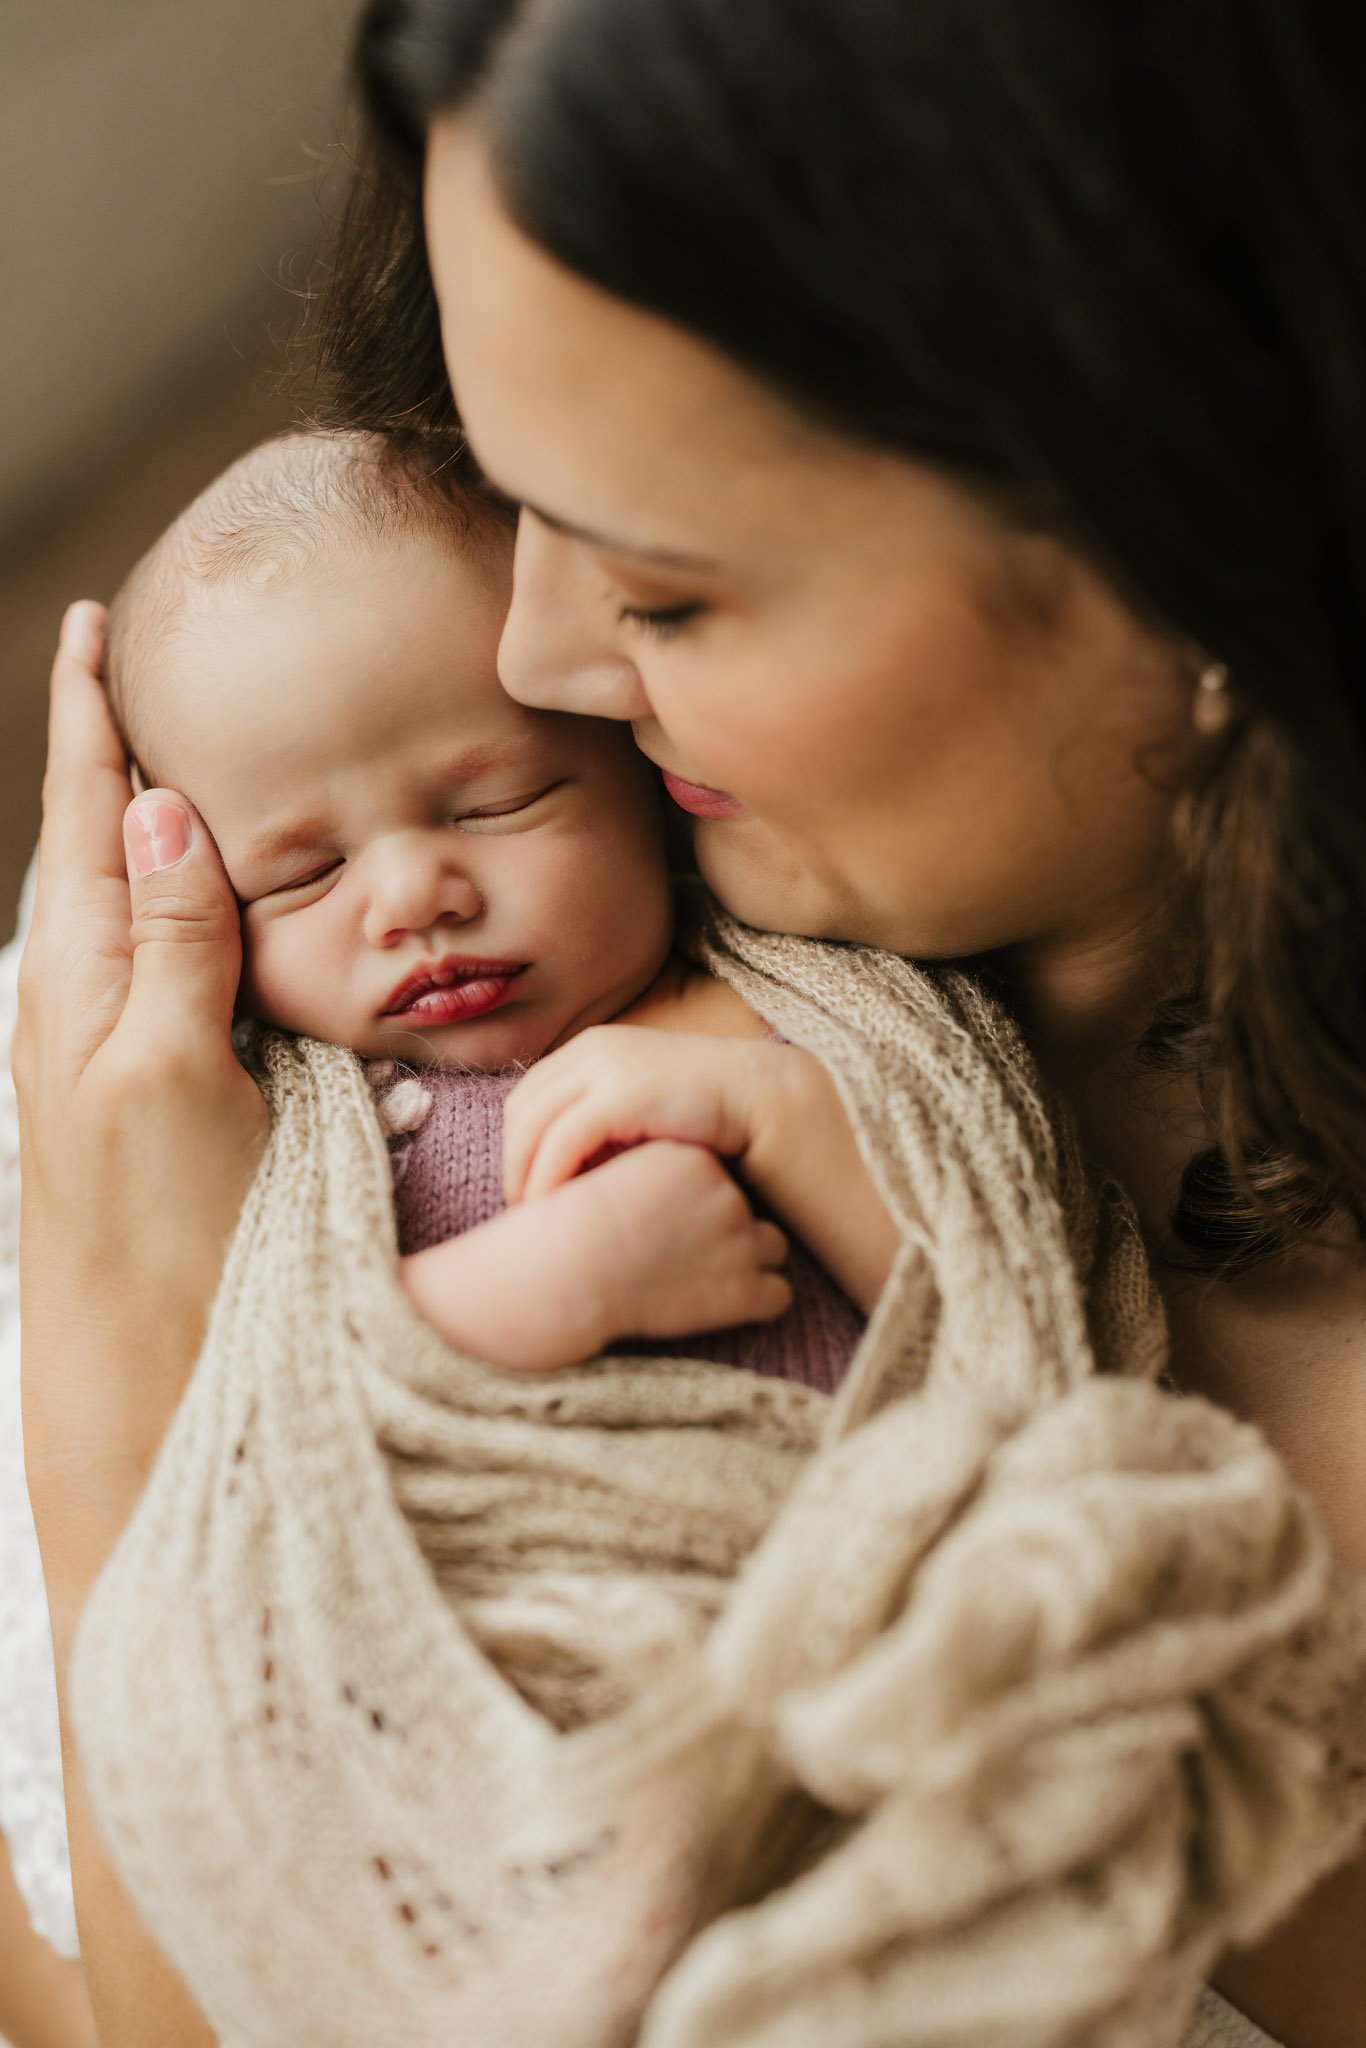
{"type": "Point", "coordinates": [159, 165]}
{"type": "Point", "coordinates": [166, 172]}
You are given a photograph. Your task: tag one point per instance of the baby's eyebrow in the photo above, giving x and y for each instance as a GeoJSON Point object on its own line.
{"type": "Point", "coordinates": [484, 759]}
{"type": "Point", "coordinates": [277, 841]}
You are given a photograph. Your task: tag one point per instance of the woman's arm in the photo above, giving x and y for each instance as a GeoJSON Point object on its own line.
{"type": "Point", "coordinates": [43, 1999]}
{"type": "Point", "coordinates": [139, 1134]}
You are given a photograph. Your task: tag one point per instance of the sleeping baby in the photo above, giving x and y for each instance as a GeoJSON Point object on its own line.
{"type": "Point", "coordinates": [475, 897]}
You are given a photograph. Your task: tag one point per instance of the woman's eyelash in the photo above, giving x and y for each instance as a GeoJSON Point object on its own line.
{"type": "Point", "coordinates": [664, 621]}
{"type": "Point", "coordinates": [500, 499]}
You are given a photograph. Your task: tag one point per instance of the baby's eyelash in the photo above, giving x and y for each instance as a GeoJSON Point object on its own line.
{"type": "Point", "coordinates": [511, 809]}
{"type": "Point", "coordinates": [663, 621]}
{"type": "Point", "coordinates": [306, 881]}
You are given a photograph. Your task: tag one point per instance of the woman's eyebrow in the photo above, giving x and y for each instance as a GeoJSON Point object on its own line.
{"type": "Point", "coordinates": [661, 558]}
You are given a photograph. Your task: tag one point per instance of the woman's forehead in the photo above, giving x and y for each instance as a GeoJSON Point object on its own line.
{"type": "Point", "coordinates": [590, 408]}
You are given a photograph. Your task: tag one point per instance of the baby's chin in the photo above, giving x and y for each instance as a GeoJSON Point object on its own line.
{"type": "Point", "coordinates": [481, 1045]}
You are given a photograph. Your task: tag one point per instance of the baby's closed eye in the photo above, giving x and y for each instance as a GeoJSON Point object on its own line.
{"type": "Point", "coordinates": [295, 889]}
{"type": "Point", "coordinates": [509, 812]}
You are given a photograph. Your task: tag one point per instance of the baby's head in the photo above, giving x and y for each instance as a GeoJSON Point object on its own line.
{"type": "Point", "coordinates": [425, 867]}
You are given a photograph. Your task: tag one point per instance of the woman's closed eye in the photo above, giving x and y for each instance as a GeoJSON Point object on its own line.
{"type": "Point", "coordinates": [664, 621]}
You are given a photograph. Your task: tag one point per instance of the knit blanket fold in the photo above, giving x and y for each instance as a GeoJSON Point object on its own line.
{"type": "Point", "coordinates": [657, 1702]}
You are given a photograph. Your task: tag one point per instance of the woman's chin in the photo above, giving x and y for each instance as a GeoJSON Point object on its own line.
{"type": "Point", "coordinates": [754, 877]}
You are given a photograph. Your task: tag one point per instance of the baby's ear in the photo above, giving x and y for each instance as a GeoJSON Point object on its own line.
{"type": "Point", "coordinates": [137, 778]}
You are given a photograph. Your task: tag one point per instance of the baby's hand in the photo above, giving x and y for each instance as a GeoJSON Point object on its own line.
{"type": "Point", "coordinates": [772, 1110]}
{"type": "Point", "coordinates": [677, 1246]}
{"type": "Point", "coordinates": [659, 1242]}
{"type": "Point", "coordinates": [619, 1085]}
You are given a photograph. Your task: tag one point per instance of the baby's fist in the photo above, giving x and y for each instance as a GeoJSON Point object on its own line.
{"type": "Point", "coordinates": [687, 1252]}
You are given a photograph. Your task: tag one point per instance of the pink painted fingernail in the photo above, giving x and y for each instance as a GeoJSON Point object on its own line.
{"type": "Point", "coordinates": [156, 835]}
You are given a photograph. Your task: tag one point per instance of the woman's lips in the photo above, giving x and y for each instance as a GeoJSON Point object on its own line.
{"type": "Point", "coordinates": [452, 992]}
{"type": "Point", "coordinates": [701, 801]}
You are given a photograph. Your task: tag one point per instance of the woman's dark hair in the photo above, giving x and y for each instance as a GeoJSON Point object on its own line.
{"type": "Point", "coordinates": [1108, 264]}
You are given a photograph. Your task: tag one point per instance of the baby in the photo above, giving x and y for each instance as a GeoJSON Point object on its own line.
{"type": "Point", "coordinates": [432, 873]}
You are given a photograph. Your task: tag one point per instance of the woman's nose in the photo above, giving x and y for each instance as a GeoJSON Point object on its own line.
{"type": "Point", "coordinates": [557, 651]}
{"type": "Point", "coordinates": [414, 882]}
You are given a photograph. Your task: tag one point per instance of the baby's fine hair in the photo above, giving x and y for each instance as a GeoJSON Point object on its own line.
{"type": "Point", "coordinates": [276, 513]}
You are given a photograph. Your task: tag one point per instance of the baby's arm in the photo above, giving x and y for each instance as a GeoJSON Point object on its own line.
{"type": "Point", "coordinates": [658, 1242]}
{"type": "Point", "coordinates": [771, 1109]}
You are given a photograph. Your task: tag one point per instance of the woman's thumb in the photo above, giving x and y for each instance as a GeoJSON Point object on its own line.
{"type": "Point", "coordinates": [187, 941]}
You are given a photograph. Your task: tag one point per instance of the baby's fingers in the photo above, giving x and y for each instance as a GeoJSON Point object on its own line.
{"type": "Point", "coordinates": [772, 1297]}
{"type": "Point", "coordinates": [770, 1245]}
{"type": "Point", "coordinates": [531, 1112]}
{"type": "Point", "coordinates": [566, 1144]}
{"type": "Point", "coordinates": [755, 1295]}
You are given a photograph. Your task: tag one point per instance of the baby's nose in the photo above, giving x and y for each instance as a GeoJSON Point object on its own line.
{"type": "Point", "coordinates": [414, 886]}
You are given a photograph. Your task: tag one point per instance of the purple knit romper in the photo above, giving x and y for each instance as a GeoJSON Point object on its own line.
{"type": "Point", "coordinates": [448, 1177]}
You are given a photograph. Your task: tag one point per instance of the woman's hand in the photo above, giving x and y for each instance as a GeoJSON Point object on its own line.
{"type": "Point", "coordinates": [139, 1130]}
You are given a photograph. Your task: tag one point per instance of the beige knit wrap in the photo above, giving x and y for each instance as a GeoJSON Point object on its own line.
{"type": "Point", "coordinates": [427, 1705]}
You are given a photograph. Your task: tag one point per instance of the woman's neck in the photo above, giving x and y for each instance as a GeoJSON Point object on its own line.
{"type": "Point", "coordinates": [1084, 1001]}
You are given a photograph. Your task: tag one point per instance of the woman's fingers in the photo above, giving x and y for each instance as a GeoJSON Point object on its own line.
{"type": "Point", "coordinates": [79, 937]}
{"type": "Point", "coordinates": [185, 926]}
{"type": "Point", "coordinates": [136, 926]}
{"type": "Point", "coordinates": [87, 778]}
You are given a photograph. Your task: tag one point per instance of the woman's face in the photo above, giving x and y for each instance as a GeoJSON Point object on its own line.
{"type": "Point", "coordinates": [936, 734]}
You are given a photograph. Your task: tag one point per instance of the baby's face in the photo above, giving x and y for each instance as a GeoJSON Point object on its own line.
{"type": "Point", "coordinates": [426, 868]}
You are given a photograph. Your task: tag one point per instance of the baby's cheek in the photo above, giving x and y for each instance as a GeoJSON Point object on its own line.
{"type": "Point", "coordinates": [289, 975]}
{"type": "Point", "coordinates": [259, 987]}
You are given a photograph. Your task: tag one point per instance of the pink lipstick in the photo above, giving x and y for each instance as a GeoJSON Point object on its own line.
{"type": "Point", "coordinates": [701, 801]}
{"type": "Point", "coordinates": [451, 991]}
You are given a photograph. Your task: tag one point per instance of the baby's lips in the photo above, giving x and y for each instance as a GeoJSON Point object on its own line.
{"type": "Point", "coordinates": [447, 973]}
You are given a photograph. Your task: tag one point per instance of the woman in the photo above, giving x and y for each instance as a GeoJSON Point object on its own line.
{"type": "Point", "coordinates": [939, 430]}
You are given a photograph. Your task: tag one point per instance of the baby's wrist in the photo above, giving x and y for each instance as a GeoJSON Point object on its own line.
{"type": "Point", "coordinates": [789, 1091]}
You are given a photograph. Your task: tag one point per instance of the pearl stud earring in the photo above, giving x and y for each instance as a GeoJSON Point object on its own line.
{"type": "Point", "coordinates": [1213, 706]}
